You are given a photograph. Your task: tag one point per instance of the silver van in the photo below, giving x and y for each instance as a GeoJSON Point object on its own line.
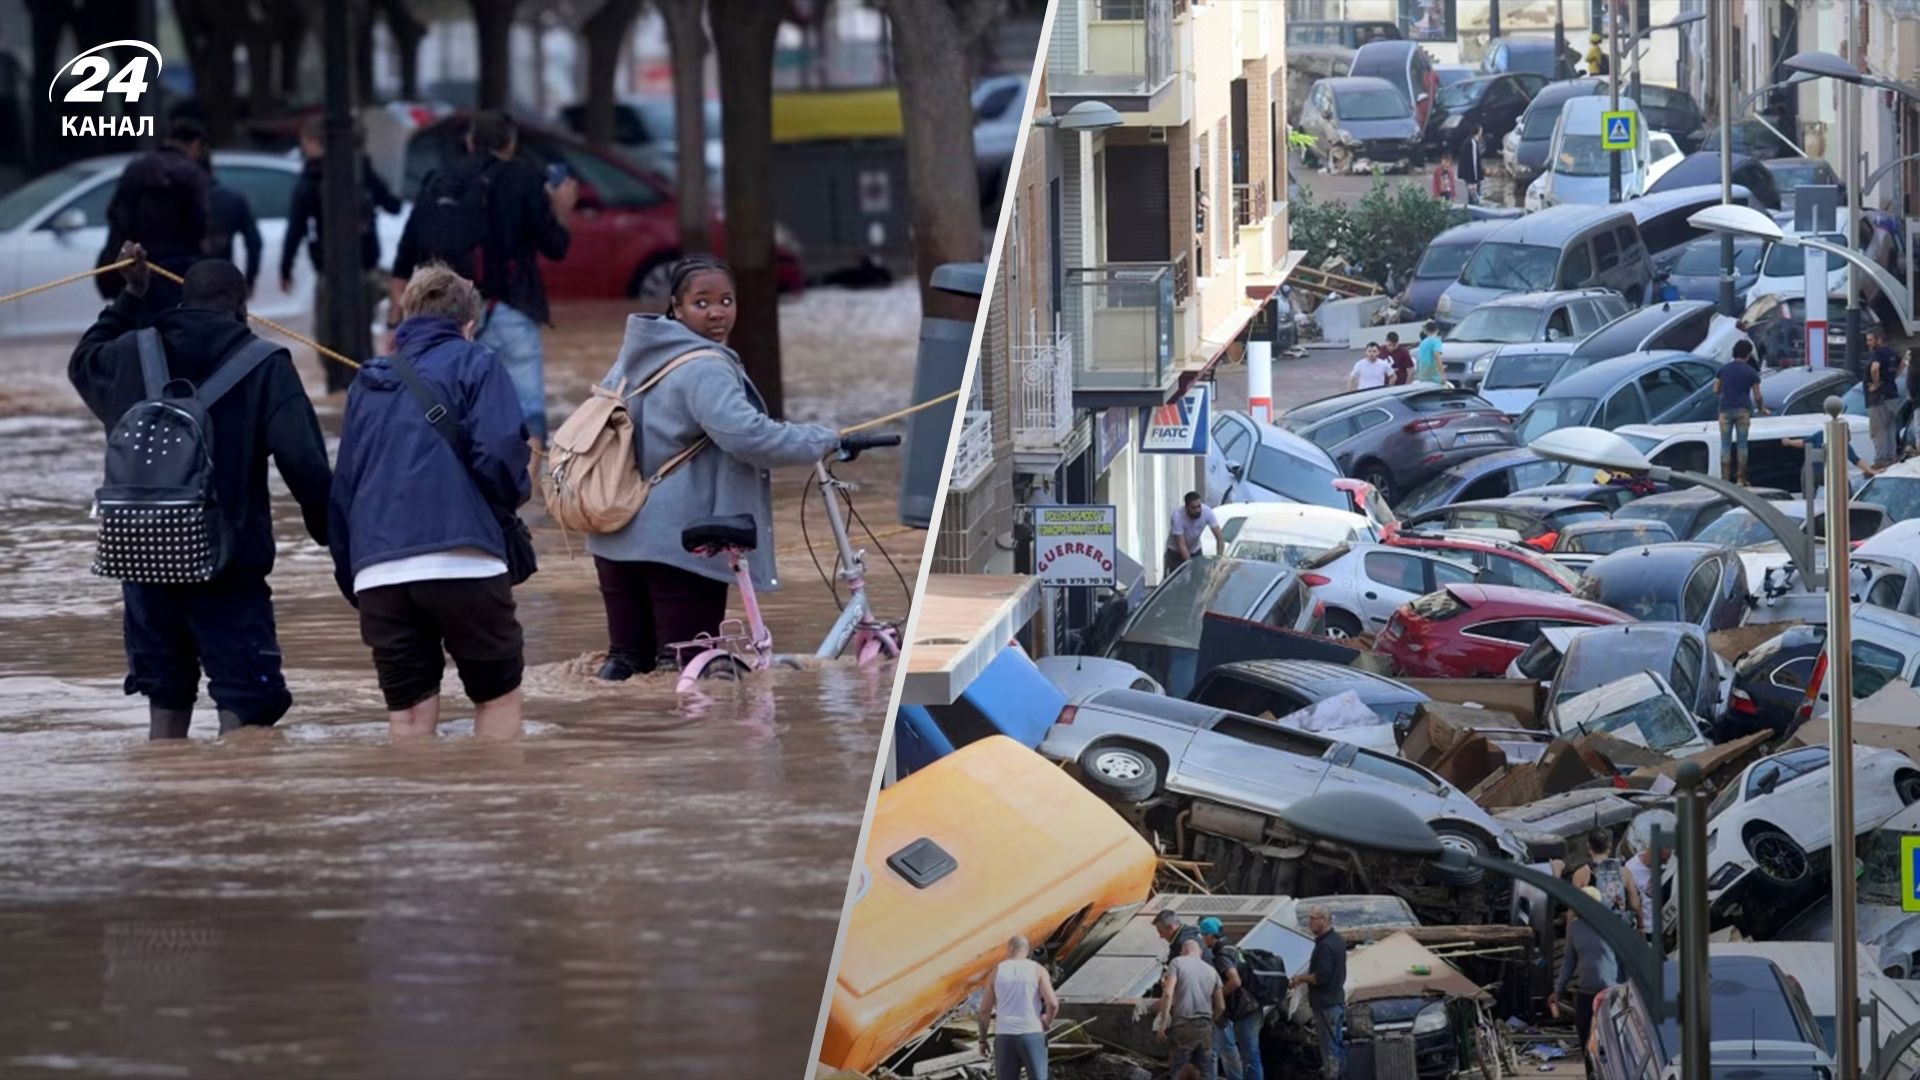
{"type": "Point", "coordinates": [1561, 247]}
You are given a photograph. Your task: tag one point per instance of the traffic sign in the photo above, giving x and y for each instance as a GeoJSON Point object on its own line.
{"type": "Point", "coordinates": [1909, 878]}
{"type": "Point", "coordinates": [1616, 129]}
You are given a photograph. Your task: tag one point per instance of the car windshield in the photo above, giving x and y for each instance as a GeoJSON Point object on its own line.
{"type": "Point", "coordinates": [1462, 94]}
{"type": "Point", "coordinates": [1642, 443]}
{"type": "Point", "coordinates": [1608, 541]}
{"type": "Point", "coordinates": [27, 199]}
{"type": "Point", "coordinates": [1898, 495]}
{"type": "Point", "coordinates": [1296, 478]}
{"type": "Point", "coordinates": [1368, 104]}
{"type": "Point", "coordinates": [1736, 528]}
{"type": "Point", "coordinates": [1784, 261]}
{"type": "Point", "coordinates": [1789, 177]}
{"type": "Point", "coordinates": [1879, 880]}
{"type": "Point", "coordinates": [1677, 515]}
{"type": "Point", "coordinates": [1633, 709]}
{"type": "Point", "coordinates": [1540, 118]}
{"type": "Point", "coordinates": [1443, 261]}
{"type": "Point", "coordinates": [1436, 490]}
{"type": "Point", "coordinates": [1521, 371]}
{"type": "Point", "coordinates": [1168, 665]}
{"type": "Point", "coordinates": [1582, 155]}
{"type": "Point", "coordinates": [1512, 267]}
{"type": "Point", "coordinates": [1288, 552]}
{"type": "Point", "coordinates": [1597, 658]}
{"type": "Point", "coordinates": [1701, 258]}
{"type": "Point", "coordinates": [1552, 414]}
{"type": "Point", "coordinates": [1173, 614]}
{"type": "Point", "coordinates": [1646, 604]}
{"type": "Point", "coordinates": [1743, 1012]}
{"type": "Point", "coordinates": [1498, 324]}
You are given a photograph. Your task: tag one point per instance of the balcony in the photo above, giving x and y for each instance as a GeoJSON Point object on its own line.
{"type": "Point", "coordinates": [973, 453]}
{"type": "Point", "coordinates": [1129, 55]}
{"type": "Point", "coordinates": [1121, 318]}
{"type": "Point", "coordinates": [1250, 204]}
{"type": "Point", "coordinates": [1042, 395]}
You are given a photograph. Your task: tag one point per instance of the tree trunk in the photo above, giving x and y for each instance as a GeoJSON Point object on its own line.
{"type": "Point", "coordinates": [292, 36]}
{"type": "Point", "coordinates": [605, 31]}
{"type": "Point", "coordinates": [209, 31]}
{"type": "Point", "coordinates": [260, 81]}
{"type": "Point", "coordinates": [687, 44]}
{"type": "Point", "coordinates": [48, 20]}
{"type": "Point", "coordinates": [932, 40]}
{"type": "Point", "coordinates": [743, 34]}
{"type": "Point", "coordinates": [407, 32]}
{"type": "Point", "coordinates": [363, 17]}
{"type": "Point", "coordinates": [494, 20]}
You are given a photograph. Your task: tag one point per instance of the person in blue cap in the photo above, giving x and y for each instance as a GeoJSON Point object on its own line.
{"type": "Point", "coordinates": [1237, 1041]}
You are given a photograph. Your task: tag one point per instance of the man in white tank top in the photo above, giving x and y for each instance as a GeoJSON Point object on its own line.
{"type": "Point", "coordinates": [1019, 1001]}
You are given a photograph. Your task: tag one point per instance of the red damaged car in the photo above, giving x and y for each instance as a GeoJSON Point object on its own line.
{"type": "Point", "coordinates": [1469, 631]}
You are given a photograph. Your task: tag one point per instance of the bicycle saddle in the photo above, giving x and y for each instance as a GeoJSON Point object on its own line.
{"type": "Point", "coordinates": [729, 531]}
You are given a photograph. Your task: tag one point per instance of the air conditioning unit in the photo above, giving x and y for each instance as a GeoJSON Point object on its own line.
{"type": "Point", "coordinates": [1156, 134]}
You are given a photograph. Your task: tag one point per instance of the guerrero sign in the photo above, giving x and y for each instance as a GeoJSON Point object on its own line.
{"type": "Point", "coordinates": [1074, 545]}
{"type": "Point", "coordinates": [1179, 426]}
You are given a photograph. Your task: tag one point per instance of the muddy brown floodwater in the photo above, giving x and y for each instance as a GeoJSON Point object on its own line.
{"type": "Point", "coordinates": [645, 885]}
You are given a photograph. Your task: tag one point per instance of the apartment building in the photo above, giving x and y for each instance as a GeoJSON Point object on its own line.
{"type": "Point", "coordinates": [1149, 226]}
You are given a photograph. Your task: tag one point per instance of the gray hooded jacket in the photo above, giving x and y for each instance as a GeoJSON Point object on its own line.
{"type": "Point", "coordinates": [711, 396]}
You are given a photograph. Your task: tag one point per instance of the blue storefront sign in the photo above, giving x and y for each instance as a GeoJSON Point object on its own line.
{"type": "Point", "coordinates": [1179, 426]}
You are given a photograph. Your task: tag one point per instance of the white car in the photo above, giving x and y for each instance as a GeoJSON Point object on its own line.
{"type": "Point", "coordinates": [1300, 524]}
{"type": "Point", "coordinates": [1641, 709]}
{"type": "Point", "coordinates": [1078, 675]}
{"type": "Point", "coordinates": [1362, 585]}
{"type": "Point", "coordinates": [56, 224]}
{"type": "Point", "coordinates": [1767, 825]}
{"type": "Point", "coordinates": [1663, 153]}
{"type": "Point", "coordinates": [1783, 271]}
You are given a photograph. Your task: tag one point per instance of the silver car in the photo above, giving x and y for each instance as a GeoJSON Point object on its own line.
{"type": "Point", "coordinates": [1362, 585]}
{"type": "Point", "coordinates": [1132, 746]}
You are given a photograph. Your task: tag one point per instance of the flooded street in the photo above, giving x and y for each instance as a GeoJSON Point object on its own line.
{"type": "Point", "coordinates": [645, 885]}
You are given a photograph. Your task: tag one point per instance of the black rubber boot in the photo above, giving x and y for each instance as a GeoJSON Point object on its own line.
{"type": "Point", "coordinates": [230, 722]}
{"type": "Point", "coordinates": [167, 723]}
{"type": "Point", "coordinates": [621, 666]}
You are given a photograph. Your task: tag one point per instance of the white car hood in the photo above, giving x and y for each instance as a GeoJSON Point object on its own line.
{"type": "Point", "coordinates": [1511, 402]}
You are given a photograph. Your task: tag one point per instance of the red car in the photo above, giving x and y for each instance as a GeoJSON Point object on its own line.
{"type": "Point", "coordinates": [1500, 562]}
{"type": "Point", "coordinates": [626, 231]}
{"type": "Point", "coordinates": [1469, 631]}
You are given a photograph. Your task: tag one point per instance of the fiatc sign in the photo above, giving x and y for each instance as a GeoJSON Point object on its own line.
{"type": "Point", "coordinates": [1074, 545]}
{"type": "Point", "coordinates": [1179, 426]}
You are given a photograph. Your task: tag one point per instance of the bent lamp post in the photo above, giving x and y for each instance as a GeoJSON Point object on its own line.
{"type": "Point", "coordinates": [1746, 221]}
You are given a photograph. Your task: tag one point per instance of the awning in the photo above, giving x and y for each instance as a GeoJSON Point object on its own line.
{"type": "Point", "coordinates": [964, 622]}
{"type": "Point", "coordinates": [1259, 289]}
{"type": "Point", "coordinates": [1385, 970]}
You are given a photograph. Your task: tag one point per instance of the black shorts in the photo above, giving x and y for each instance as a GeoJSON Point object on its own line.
{"type": "Point", "coordinates": [407, 624]}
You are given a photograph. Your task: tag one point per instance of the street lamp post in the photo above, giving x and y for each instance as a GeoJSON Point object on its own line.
{"type": "Point", "coordinates": [1723, 76]}
{"type": "Point", "coordinates": [1746, 221]}
{"type": "Point", "coordinates": [1846, 977]}
{"type": "Point", "coordinates": [1367, 821]}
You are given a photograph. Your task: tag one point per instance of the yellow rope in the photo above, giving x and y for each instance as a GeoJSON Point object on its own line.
{"type": "Point", "coordinates": [261, 319]}
{"type": "Point", "coordinates": [68, 280]}
{"type": "Point", "coordinates": [908, 411]}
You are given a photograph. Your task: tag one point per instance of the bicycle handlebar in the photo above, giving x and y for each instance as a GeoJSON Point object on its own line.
{"type": "Point", "coordinates": [851, 446]}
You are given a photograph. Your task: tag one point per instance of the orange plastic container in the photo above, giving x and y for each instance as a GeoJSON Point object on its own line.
{"type": "Point", "coordinates": [1031, 851]}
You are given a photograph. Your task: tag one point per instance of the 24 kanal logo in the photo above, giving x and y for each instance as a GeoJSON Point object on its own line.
{"type": "Point", "coordinates": [129, 82]}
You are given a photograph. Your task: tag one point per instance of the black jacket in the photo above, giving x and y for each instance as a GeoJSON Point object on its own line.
{"type": "Point", "coordinates": [162, 204]}
{"type": "Point", "coordinates": [230, 216]}
{"type": "Point", "coordinates": [304, 216]}
{"type": "Point", "coordinates": [1473, 161]}
{"type": "Point", "coordinates": [520, 227]}
{"type": "Point", "coordinates": [266, 414]}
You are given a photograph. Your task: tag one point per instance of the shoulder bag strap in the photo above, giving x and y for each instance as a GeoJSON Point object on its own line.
{"type": "Point", "coordinates": [153, 360]}
{"type": "Point", "coordinates": [636, 408]}
{"type": "Point", "coordinates": [430, 405]}
{"type": "Point", "coordinates": [670, 366]}
{"type": "Point", "coordinates": [238, 365]}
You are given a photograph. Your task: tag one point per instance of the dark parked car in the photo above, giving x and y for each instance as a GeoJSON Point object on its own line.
{"type": "Point", "coordinates": [1441, 264]}
{"type": "Point", "coordinates": [1359, 117]}
{"type": "Point", "coordinates": [1525, 147]}
{"type": "Point", "coordinates": [1803, 391]}
{"type": "Point", "coordinates": [1492, 101]}
{"type": "Point", "coordinates": [1703, 167]}
{"type": "Point", "coordinates": [1665, 387]}
{"type": "Point", "coordinates": [1673, 326]}
{"type": "Point", "coordinates": [1530, 55]}
{"type": "Point", "coordinates": [1761, 1024]}
{"type": "Point", "coordinates": [1677, 651]}
{"type": "Point", "coordinates": [1752, 138]}
{"type": "Point", "coordinates": [1686, 511]}
{"type": "Point", "coordinates": [1610, 496]}
{"type": "Point", "coordinates": [1700, 584]}
{"type": "Point", "coordinates": [1162, 638]}
{"type": "Point", "coordinates": [1279, 687]}
{"type": "Point", "coordinates": [1518, 318]}
{"type": "Point", "coordinates": [1674, 112]}
{"type": "Point", "coordinates": [1790, 172]}
{"type": "Point", "coordinates": [1665, 220]}
{"type": "Point", "coordinates": [1537, 520]}
{"type": "Point", "coordinates": [1395, 437]}
{"type": "Point", "coordinates": [1350, 33]}
{"type": "Point", "coordinates": [1770, 682]}
{"type": "Point", "coordinates": [1489, 476]}
{"type": "Point", "coordinates": [1511, 376]}
{"type": "Point", "coordinates": [1580, 544]}
{"type": "Point", "coordinates": [1694, 272]}
{"type": "Point", "coordinates": [1406, 67]}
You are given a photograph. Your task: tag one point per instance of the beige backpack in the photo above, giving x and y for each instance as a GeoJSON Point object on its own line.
{"type": "Point", "coordinates": [590, 480]}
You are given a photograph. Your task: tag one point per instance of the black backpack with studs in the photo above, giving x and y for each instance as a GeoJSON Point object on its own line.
{"type": "Point", "coordinates": [160, 522]}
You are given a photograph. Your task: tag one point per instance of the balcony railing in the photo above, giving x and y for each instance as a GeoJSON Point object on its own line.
{"type": "Point", "coordinates": [1043, 393]}
{"type": "Point", "coordinates": [1122, 319]}
{"type": "Point", "coordinates": [1250, 203]}
{"type": "Point", "coordinates": [1129, 51]}
{"type": "Point", "coordinates": [973, 454]}
{"type": "Point", "coordinates": [1182, 278]}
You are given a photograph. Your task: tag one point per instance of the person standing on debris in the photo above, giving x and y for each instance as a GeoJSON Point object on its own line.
{"type": "Point", "coordinates": [1427, 361]}
{"type": "Point", "coordinates": [1738, 385]}
{"type": "Point", "coordinates": [1881, 380]}
{"type": "Point", "coordinates": [1371, 370]}
{"type": "Point", "coordinates": [1587, 967]}
{"type": "Point", "coordinates": [1238, 1040]}
{"type": "Point", "coordinates": [1443, 176]}
{"type": "Point", "coordinates": [1473, 170]}
{"type": "Point", "coordinates": [303, 226]}
{"type": "Point", "coordinates": [224, 624]}
{"type": "Point", "coordinates": [1401, 359]}
{"type": "Point", "coordinates": [1326, 983]}
{"type": "Point", "coordinates": [1192, 1003]}
{"type": "Point", "coordinates": [1191, 520]}
{"type": "Point", "coordinates": [1020, 1002]}
{"type": "Point", "coordinates": [161, 204]}
{"type": "Point", "coordinates": [1606, 873]}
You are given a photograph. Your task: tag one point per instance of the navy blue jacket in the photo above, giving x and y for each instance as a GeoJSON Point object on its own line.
{"type": "Point", "coordinates": [398, 488]}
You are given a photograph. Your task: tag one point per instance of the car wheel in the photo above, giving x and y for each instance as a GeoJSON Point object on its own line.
{"type": "Point", "coordinates": [1460, 840]}
{"type": "Point", "coordinates": [1122, 772]}
{"type": "Point", "coordinates": [653, 280]}
{"type": "Point", "coordinates": [1376, 474]}
{"type": "Point", "coordinates": [1907, 786]}
{"type": "Point", "coordinates": [1342, 625]}
{"type": "Point", "coordinates": [1779, 856]}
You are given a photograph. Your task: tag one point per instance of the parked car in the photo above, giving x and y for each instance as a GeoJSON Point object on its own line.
{"type": "Point", "coordinates": [1695, 447]}
{"type": "Point", "coordinates": [644, 130]}
{"type": "Point", "coordinates": [1162, 637]}
{"type": "Point", "coordinates": [1770, 682]}
{"type": "Point", "coordinates": [1803, 391]}
{"type": "Point", "coordinates": [1525, 147]}
{"type": "Point", "coordinates": [999, 112]}
{"type": "Point", "coordinates": [1886, 648]}
{"type": "Point", "coordinates": [1250, 460]}
{"type": "Point", "coordinates": [1359, 117]}
{"type": "Point", "coordinates": [1791, 172]}
{"type": "Point", "coordinates": [1441, 263]}
{"type": "Point", "coordinates": [1660, 387]}
{"type": "Point", "coordinates": [1703, 167]}
{"type": "Point", "coordinates": [626, 226]}
{"type": "Point", "coordinates": [1685, 511]}
{"type": "Point", "coordinates": [1578, 545]}
{"type": "Point", "coordinates": [1579, 169]}
{"type": "Point", "coordinates": [1687, 582]}
{"type": "Point", "coordinates": [1752, 138]}
{"type": "Point", "coordinates": [1783, 270]}
{"type": "Point", "coordinates": [1009, 697]}
{"type": "Point", "coordinates": [1130, 747]}
{"type": "Point", "coordinates": [1289, 533]}
{"type": "Point", "coordinates": [1307, 65]}
{"type": "Point", "coordinates": [1405, 66]}
{"type": "Point", "coordinates": [1897, 490]}
{"type": "Point", "coordinates": [1663, 153]}
{"type": "Point", "coordinates": [1499, 562]}
{"type": "Point", "coordinates": [1690, 326]}
{"type": "Point", "coordinates": [1488, 476]}
{"type": "Point", "coordinates": [1761, 1027]}
{"type": "Point", "coordinates": [1537, 520]}
{"type": "Point", "coordinates": [1394, 437]}
{"type": "Point", "coordinates": [1665, 216]}
{"type": "Point", "coordinates": [1694, 272]}
{"type": "Point", "coordinates": [1524, 318]}
{"type": "Point", "coordinates": [1276, 688]}
{"type": "Point", "coordinates": [1076, 675]}
{"type": "Point", "coordinates": [1610, 495]}
{"type": "Point", "coordinates": [1561, 247]}
{"type": "Point", "coordinates": [1467, 631]}
{"type": "Point", "coordinates": [1638, 707]}
{"type": "Point", "coordinates": [1351, 33]}
{"type": "Point", "coordinates": [1362, 585]}
{"type": "Point", "coordinates": [1677, 651]}
{"type": "Point", "coordinates": [1674, 112]}
{"type": "Point", "coordinates": [1448, 74]}
{"type": "Point", "coordinates": [1494, 102]}
{"type": "Point", "coordinates": [1528, 54]}
{"type": "Point", "coordinates": [1513, 375]}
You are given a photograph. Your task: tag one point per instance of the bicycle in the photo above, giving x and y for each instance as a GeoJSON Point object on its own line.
{"type": "Point", "coordinates": [746, 645]}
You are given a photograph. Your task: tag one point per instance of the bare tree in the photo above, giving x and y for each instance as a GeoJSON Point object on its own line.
{"type": "Point", "coordinates": [932, 40]}
{"type": "Point", "coordinates": [605, 32]}
{"type": "Point", "coordinates": [687, 42]}
{"type": "Point", "coordinates": [743, 36]}
{"type": "Point", "coordinates": [210, 30]}
{"type": "Point", "coordinates": [494, 21]}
